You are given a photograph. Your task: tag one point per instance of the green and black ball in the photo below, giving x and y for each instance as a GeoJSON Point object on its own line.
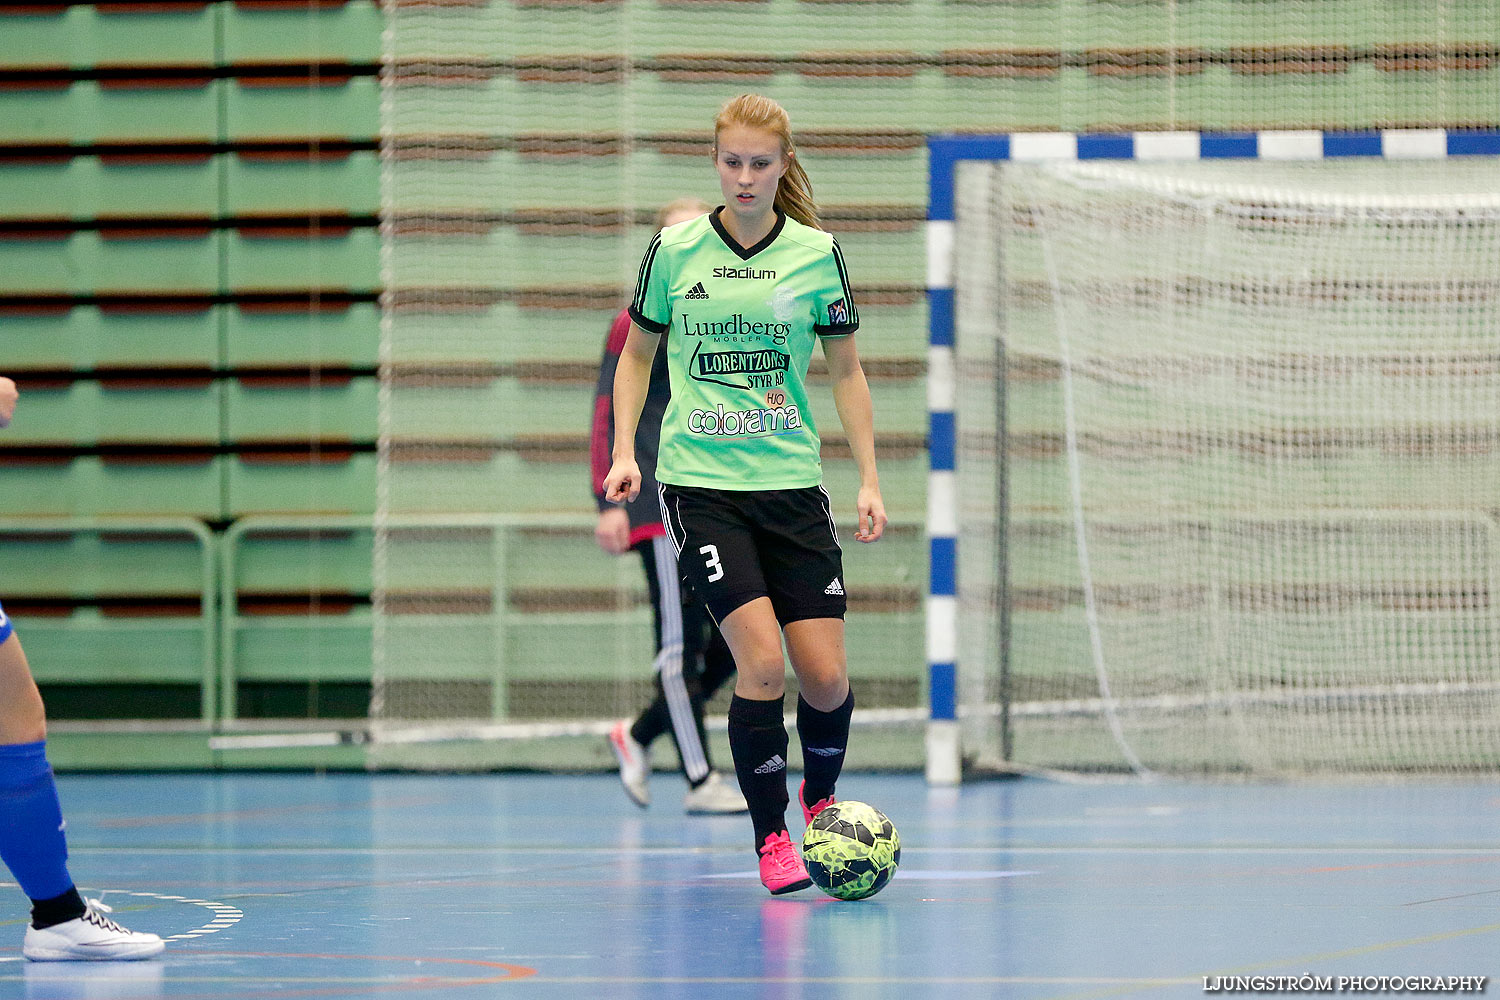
{"type": "Point", "coordinates": [851, 850]}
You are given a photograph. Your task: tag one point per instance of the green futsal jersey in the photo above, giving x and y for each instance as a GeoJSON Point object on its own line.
{"type": "Point", "coordinates": [740, 324]}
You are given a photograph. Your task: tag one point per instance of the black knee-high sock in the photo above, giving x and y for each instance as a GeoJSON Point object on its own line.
{"type": "Point", "coordinates": [825, 737]}
{"type": "Point", "coordinates": [758, 740]}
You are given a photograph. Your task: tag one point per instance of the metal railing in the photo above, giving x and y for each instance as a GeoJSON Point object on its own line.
{"type": "Point", "coordinates": [43, 527]}
{"type": "Point", "coordinates": [500, 525]}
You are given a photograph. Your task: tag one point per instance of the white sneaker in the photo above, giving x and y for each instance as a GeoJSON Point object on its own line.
{"type": "Point", "coordinates": [91, 937]}
{"type": "Point", "coordinates": [635, 764]}
{"type": "Point", "coordinates": [715, 795]}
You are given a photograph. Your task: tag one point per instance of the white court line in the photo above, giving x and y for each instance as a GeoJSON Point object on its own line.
{"type": "Point", "coordinates": [225, 916]}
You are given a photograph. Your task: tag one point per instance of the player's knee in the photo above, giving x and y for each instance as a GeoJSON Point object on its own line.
{"type": "Point", "coordinates": [759, 655]}
{"type": "Point", "coordinates": [763, 669]}
{"type": "Point", "coordinates": [824, 689]}
{"type": "Point", "coordinates": [764, 675]}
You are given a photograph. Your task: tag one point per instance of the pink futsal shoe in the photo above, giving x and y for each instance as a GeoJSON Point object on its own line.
{"type": "Point", "coordinates": [809, 811]}
{"type": "Point", "coordinates": [781, 868]}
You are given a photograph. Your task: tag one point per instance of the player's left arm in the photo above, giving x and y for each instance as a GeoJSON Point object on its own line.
{"type": "Point", "coordinates": [8, 396]}
{"type": "Point", "coordinates": [851, 396]}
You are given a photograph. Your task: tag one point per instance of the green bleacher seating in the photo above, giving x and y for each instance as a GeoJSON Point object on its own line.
{"type": "Point", "coordinates": [342, 181]}
{"type": "Point", "coordinates": [162, 482]}
{"type": "Point", "coordinates": [300, 408]}
{"type": "Point", "coordinates": [86, 337]}
{"type": "Point", "coordinates": [333, 479]}
{"type": "Point", "coordinates": [84, 36]}
{"type": "Point", "coordinates": [92, 186]}
{"type": "Point", "coordinates": [329, 104]}
{"type": "Point", "coordinates": [85, 111]}
{"type": "Point", "coordinates": [330, 256]}
{"type": "Point", "coordinates": [346, 336]}
{"type": "Point", "coordinates": [139, 409]}
{"type": "Point", "coordinates": [85, 262]}
{"type": "Point", "coordinates": [347, 32]}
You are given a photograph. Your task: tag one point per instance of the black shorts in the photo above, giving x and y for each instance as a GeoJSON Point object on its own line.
{"type": "Point", "coordinates": [736, 545]}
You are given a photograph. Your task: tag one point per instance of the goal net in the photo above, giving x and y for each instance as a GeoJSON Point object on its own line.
{"type": "Point", "coordinates": [1228, 464]}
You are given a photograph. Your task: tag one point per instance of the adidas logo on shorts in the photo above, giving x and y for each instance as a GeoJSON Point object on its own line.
{"type": "Point", "coordinates": [834, 588]}
{"type": "Point", "coordinates": [696, 292]}
{"type": "Point", "coordinates": [771, 766]}
{"type": "Point", "coordinates": [826, 751]}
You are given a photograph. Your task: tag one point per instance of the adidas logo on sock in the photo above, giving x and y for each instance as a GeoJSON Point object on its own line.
{"type": "Point", "coordinates": [834, 588]}
{"type": "Point", "coordinates": [772, 766]}
{"type": "Point", "coordinates": [696, 292]}
{"type": "Point", "coordinates": [825, 751]}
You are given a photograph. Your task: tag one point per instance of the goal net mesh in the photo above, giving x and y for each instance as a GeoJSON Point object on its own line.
{"type": "Point", "coordinates": [1229, 460]}
{"type": "Point", "coordinates": [494, 614]}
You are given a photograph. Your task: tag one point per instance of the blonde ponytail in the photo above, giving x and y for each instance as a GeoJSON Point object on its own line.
{"type": "Point", "coordinates": [794, 194]}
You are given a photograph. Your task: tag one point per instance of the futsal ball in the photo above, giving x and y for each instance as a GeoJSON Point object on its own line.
{"type": "Point", "coordinates": [851, 850]}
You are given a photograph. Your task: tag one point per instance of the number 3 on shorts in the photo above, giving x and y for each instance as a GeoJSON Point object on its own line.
{"type": "Point", "coordinates": [716, 568]}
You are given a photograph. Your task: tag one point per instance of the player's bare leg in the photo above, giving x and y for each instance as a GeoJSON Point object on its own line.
{"type": "Point", "coordinates": [816, 649]}
{"type": "Point", "coordinates": [23, 719]}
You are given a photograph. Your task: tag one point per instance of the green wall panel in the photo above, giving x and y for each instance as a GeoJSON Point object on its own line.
{"type": "Point", "coordinates": [85, 337]}
{"type": "Point", "coordinates": [89, 412]}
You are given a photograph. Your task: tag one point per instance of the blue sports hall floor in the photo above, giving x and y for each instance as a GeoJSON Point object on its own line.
{"type": "Point", "coordinates": [538, 886]}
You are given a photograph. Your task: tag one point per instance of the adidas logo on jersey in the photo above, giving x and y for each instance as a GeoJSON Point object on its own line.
{"type": "Point", "coordinates": [835, 588]}
{"type": "Point", "coordinates": [697, 292]}
{"type": "Point", "coordinates": [771, 766]}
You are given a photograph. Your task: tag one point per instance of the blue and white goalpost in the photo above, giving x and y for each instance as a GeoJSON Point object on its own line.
{"type": "Point", "coordinates": [952, 684]}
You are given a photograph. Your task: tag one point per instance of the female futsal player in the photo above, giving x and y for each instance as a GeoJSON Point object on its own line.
{"type": "Point", "coordinates": [64, 926]}
{"type": "Point", "coordinates": [742, 294]}
{"type": "Point", "coordinates": [692, 660]}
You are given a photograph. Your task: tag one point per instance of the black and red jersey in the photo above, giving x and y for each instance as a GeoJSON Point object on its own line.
{"type": "Point", "coordinates": [645, 512]}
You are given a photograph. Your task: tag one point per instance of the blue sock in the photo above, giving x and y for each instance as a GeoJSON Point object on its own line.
{"type": "Point", "coordinates": [31, 824]}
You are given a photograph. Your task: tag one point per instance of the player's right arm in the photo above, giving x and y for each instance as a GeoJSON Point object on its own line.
{"type": "Point", "coordinates": [632, 380]}
{"type": "Point", "coordinates": [8, 396]}
{"type": "Point", "coordinates": [650, 312]}
{"type": "Point", "coordinates": [612, 530]}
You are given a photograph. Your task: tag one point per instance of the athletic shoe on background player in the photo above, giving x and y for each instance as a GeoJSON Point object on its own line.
{"type": "Point", "coordinates": [781, 868]}
{"type": "Point", "coordinates": [635, 764]}
{"type": "Point", "coordinates": [91, 937]}
{"type": "Point", "coordinates": [809, 811]}
{"type": "Point", "coordinates": [714, 795]}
